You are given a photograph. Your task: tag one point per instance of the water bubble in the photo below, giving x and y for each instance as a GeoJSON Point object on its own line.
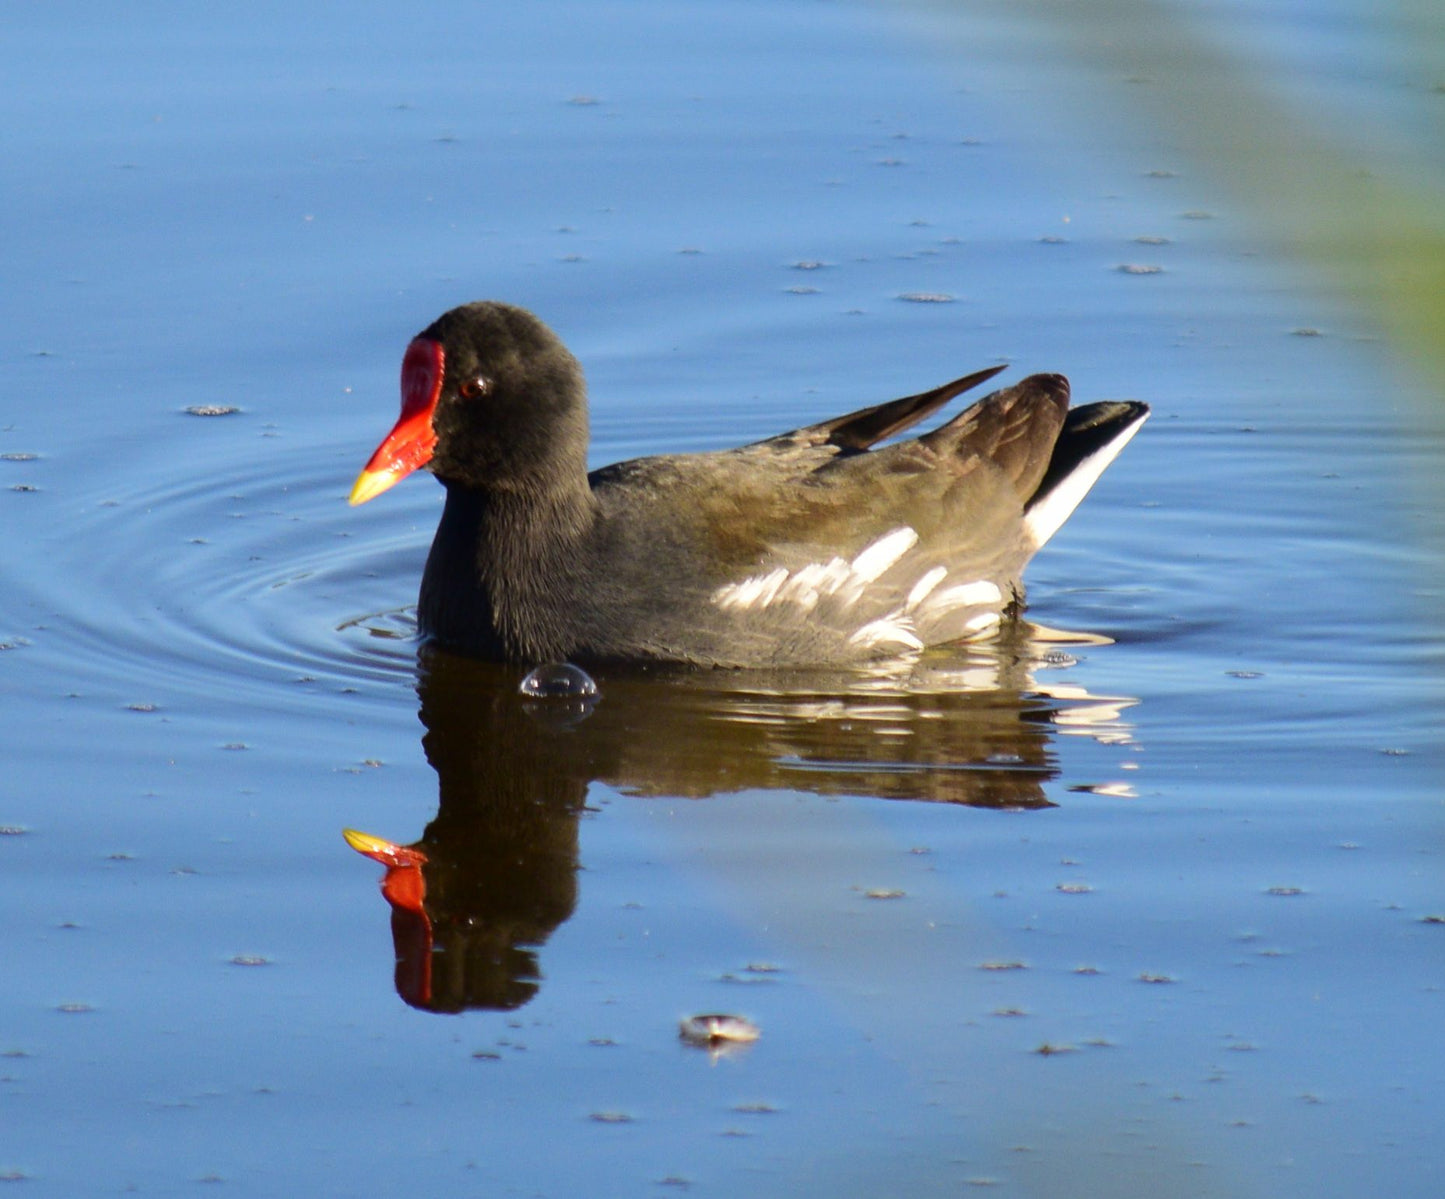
{"type": "Point", "coordinates": [558, 680]}
{"type": "Point", "coordinates": [559, 695]}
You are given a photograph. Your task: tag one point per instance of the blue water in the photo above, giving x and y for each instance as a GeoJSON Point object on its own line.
{"type": "Point", "coordinates": [1192, 841]}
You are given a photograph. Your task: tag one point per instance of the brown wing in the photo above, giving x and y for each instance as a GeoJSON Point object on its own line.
{"type": "Point", "coordinates": [868, 426]}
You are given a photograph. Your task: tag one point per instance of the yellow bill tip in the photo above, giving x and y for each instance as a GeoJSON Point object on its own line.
{"type": "Point", "coordinates": [366, 843]}
{"type": "Point", "coordinates": [370, 484]}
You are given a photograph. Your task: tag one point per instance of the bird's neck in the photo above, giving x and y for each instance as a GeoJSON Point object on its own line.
{"type": "Point", "coordinates": [514, 561]}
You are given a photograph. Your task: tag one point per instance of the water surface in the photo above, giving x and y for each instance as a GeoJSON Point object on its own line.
{"type": "Point", "coordinates": [1146, 895]}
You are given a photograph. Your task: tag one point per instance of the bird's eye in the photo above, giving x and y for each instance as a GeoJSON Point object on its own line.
{"type": "Point", "coordinates": [470, 389]}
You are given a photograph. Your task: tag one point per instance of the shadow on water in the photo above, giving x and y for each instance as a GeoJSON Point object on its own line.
{"type": "Point", "coordinates": [495, 872]}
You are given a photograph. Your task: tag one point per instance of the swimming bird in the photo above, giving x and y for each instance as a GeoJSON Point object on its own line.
{"type": "Point", "coordinates": [820, 545]}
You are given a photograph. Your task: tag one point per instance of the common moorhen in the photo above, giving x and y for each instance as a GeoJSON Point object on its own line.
{"type": "Point", "coordinates": [811, 547]}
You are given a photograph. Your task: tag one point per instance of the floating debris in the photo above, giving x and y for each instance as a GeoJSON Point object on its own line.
{"type": "Point", "coordinates": [717, 1029]}
{"type": "Point", "coordinates": [1158, 979]}
{"type": "Point", "coordinates": [1047, 1049]}
{"type": "Point", "coordinates": [250, 959]}
{"type": "Point", "coordinates": [212, 410]}
{"type": "Point", "coordinates": [611, 1117]}
{"type": "Point", "coordinates": [1002, 965]}
{"type": "Point", "coordinates": [1139, 268]}
{"type": "Point", "coordinates": [884, 893]}
{"type": "Point", "coordinates": [1285, 891]}
{"type": "Point", "coordinates": [1111, 790]}
{"type": "Point", "coordinates": [1074, 888]}
{"type": "Point", "coordinates": [746, 980]}
{"type": "Point", "coordinates": [926, 297]}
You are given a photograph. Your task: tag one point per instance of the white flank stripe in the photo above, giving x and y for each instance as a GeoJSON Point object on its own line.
{"type": "Point", "coordinates": [802, 588]}
{"type": "Point", "coordinates": [924, 585]}
{"type": "Point", "coordinates": [883, 553]}
{"type": "Point", "coordinates": [738, 595]}
{"type": "Point", "coordinates": [984, 620]}
{"type": "Point", "coordinates": [964, 595]}
{"type": "Point", "coordinates": [844, 580]}
{"type": "Point", "coordinates": [771, 583]}
{"type": "Point", "coordinates": [832, 576]}
{"type": "Point", "coordinates": [890, 630]}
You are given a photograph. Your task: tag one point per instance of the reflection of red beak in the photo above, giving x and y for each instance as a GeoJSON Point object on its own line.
{"type": "Point", "coordinates": [405, 889]}
{"type": "Point", "coordinates": [404, 886]}
{"type": "Point", "coordinates": [412, 440]}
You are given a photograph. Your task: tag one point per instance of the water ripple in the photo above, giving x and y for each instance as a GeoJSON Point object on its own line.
{"type": "Point", "coordinates": [240, 579]}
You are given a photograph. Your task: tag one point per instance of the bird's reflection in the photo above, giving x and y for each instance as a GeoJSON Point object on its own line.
{"type": "Point", "coordinates": [496, 871]}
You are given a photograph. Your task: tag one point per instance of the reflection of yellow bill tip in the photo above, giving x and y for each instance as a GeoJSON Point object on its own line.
{"type": "Point", "coordinates": [366, 843]}
{"type": "Point", "coordinates": [370, 484]}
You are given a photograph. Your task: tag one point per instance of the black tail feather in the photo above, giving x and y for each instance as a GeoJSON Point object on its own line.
{"type": "Point", "coordinates": [1087, 429]}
